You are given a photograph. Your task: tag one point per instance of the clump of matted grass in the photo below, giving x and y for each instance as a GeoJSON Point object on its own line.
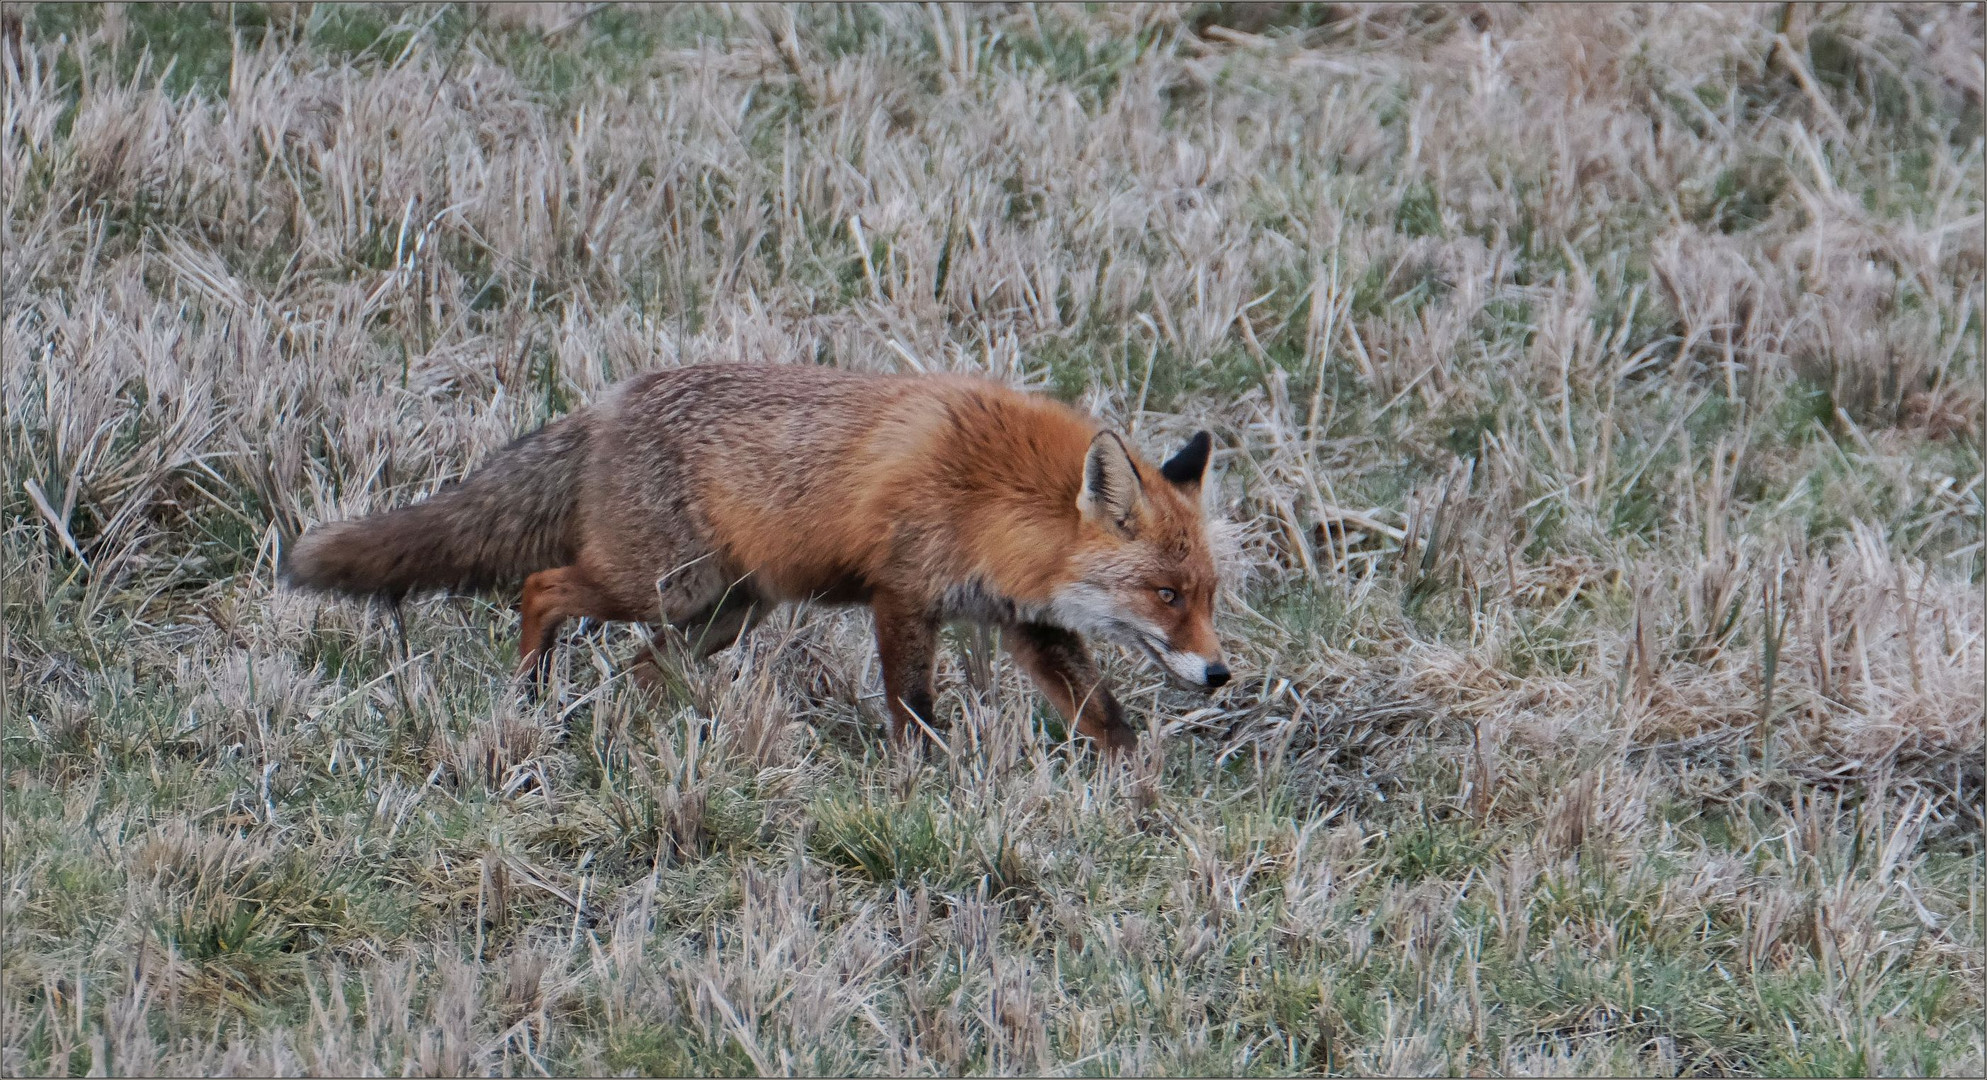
{"type": "Point", "coordinates": [1598, 399]}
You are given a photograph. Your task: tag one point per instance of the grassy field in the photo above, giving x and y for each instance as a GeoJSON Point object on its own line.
{"type": "Point", "coordinates": [1599, 402]}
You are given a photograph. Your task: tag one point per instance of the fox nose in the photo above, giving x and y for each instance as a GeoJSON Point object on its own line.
{"type": "Point", "coordinates": [1217, 675]}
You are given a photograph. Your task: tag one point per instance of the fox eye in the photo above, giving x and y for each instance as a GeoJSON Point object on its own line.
{"type": "Point", "coordinates": [1169, 597]}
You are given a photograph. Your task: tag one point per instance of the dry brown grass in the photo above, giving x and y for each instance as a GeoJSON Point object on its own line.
{"type": "Point", "coordinates": [1599, 394]}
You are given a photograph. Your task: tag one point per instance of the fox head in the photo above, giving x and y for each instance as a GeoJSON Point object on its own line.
{"type": "Point", "coordinates": [1142, 572]}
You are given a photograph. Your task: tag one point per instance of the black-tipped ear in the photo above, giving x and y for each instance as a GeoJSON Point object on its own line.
{"type": "Point", "coordinates": [1111, 489]}
{"type": "Point", "coordinates": [1188, 466]}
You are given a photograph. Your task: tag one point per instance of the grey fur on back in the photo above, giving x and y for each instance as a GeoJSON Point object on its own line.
{"type": "Point", "coordinates": [510, 518]}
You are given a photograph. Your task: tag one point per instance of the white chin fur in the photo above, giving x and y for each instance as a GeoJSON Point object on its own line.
{"type": "Point", "coordinates": [1090, 610]}
{"type": "Point", "coordinates": [1186, 666]}
{"type": "Point", "coordinates": [1093, 610]}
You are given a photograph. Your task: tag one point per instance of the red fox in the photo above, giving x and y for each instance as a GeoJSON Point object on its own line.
{"type": "Point", "coordinates": [701, 496]}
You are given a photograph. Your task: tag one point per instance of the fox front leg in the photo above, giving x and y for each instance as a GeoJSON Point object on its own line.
{"type": "Point", "coordinates": [1061, 665]}
{"type": "Point", "coordinates": [907, 646]}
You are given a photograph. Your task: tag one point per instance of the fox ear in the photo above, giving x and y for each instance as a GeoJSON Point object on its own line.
{"type": "Point", "coordinates": [1111, 488]}
{"type": "Point", "coordinates": [1187, 467]}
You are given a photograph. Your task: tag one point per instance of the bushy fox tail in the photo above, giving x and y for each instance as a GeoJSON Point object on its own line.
{"type": "Point", "coordinates": [507, 520]}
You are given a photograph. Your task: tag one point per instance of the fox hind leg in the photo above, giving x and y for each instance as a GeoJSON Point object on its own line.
{"type": "Point", "coordinates": [710, 631]}
{"type": "Point", "coordinates": [550, 598]}
{"type": "Point", "coordinates": [718, 627]}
